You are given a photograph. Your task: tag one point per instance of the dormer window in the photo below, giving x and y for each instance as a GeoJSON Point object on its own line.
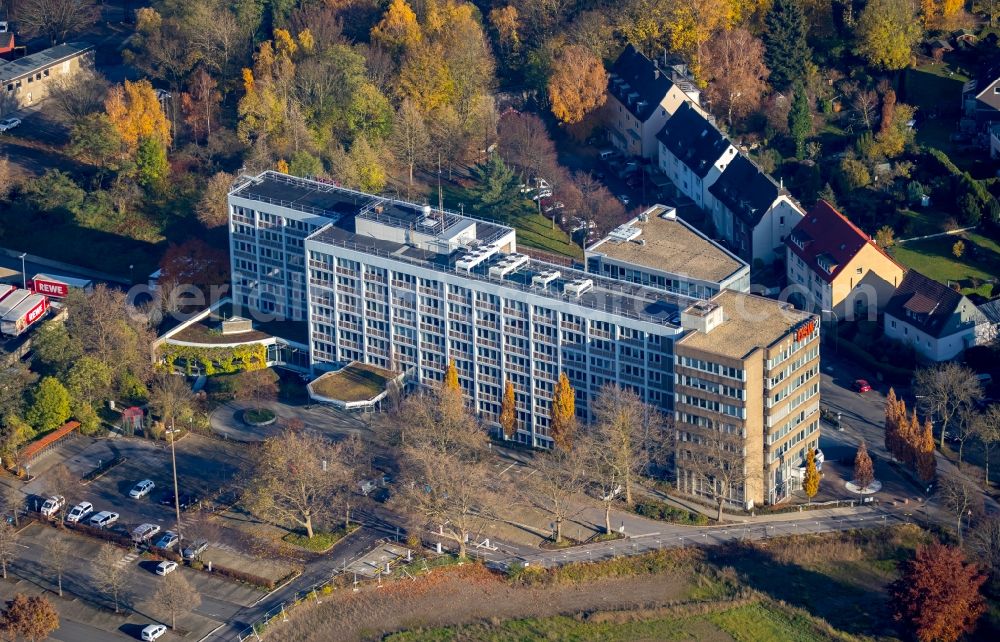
{"type": "Point", "coordinates": [826, 262]}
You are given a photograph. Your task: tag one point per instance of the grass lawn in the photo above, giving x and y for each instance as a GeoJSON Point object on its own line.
{"type": "Point", "coordinates": [356, 382]}
{"type": "Point", "coordinates": [922, 222]}
{"type": "Point", "coordinates": [321, 541]}
{"type": "Point", "coordinates": [934, 259]}
{"type": "Point", "coordinates": [258, 416]}
{"type": "Point", "coordinates": [926, 86]}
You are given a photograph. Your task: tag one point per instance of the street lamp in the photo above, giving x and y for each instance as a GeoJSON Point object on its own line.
{"type": "Point", "coordinates": [24, 271]}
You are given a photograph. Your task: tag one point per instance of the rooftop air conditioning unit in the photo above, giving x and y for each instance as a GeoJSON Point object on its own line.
{"type": "Point", "coordinates": [578, 287]}
{"type": "Point", "coordinates": [544, 278]}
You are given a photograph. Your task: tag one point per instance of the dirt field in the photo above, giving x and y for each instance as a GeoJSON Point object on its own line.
{"type": "Point", "coordinates": [464, 594]}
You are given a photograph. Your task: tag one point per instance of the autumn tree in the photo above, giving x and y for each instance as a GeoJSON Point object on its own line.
{"type": "Point", "coordinates": [212, 209]}
{"type": "Point", "coordinates": [398, 28]}
{"type": "Point", "coordinates": [944, 390]}
{"type": "Point", "coordinates": [295, 479]}
{"type": "Point", "coordinates": [887, 32]}
{"type": "Point", "coordinates": [626, 427]}
{"type": "Point", "coordinates": [716, 461]}
{"type": "Point", "coordinates": [56, 19]}
{"type": "Point", "coordinates": [410, 140]}
{"type": "Point", "coordinates": [33, 618]}
{"type": "Point", "coordinates": [200, 104]}
{"type": "Point", "coordinates": [109, 576]}
{"type": "Point", "coordinates": [174, 596]}
{"type": "Point", "coordinates": [578, 84]}
{"type": "Point", "coordinates": [135, 112]}
{"type": "Point", "coordinates": [786, 53]}
{"type": "Point", "coordinates": [926, 462]}
{"type": "Point", "coordinates": [552, 489]}
{"type": "Point", "coordinates": [57, 557]}
{"type": "Point", "coordinates": [171, 398]}
{"type": "Point", "coordinates": [257, 386]}
{"type": "Point", "coordinates": [734, 69]}
{"type": "Point", "coordinates": [508, 411]}
{"type": "Point", "coordinates": [937, 598]}
{"type": "Point", "coordinates": [864, 472]}
{"type": "Point", "coordinates": [810, 483]}
{"type": "Point", "coordinates": [50, 405]}
{"type": "Point", "coordinates": [562, 419]}
{"type": "Point", "coordinates": [988, 434]}
{"type": "Point", "coordinates": [160, 48]}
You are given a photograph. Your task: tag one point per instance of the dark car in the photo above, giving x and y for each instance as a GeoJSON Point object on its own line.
{"type": "Point", "coordinates": [187, 500]}
{"type": "Point", "coordinates": [860, 385]}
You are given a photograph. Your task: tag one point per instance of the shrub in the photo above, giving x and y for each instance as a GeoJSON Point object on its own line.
{"type": "Point", "coordinates": [655, 509]}
{"type": "Point", "coordinates": [240, 576]}
{"type": "Point", "coordinates": [109, 536]}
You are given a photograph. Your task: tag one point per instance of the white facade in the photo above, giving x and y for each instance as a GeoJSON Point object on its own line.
{"type": "Point", "coordinates": [765, 242]}
{"type": "Point", "coordinates": [687, 181]}
{"type": "Point", "coordinates": [946, 348]}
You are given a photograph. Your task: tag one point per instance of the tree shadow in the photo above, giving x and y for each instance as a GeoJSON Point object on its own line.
{"type": "Point", "coordinates": [849, 607]}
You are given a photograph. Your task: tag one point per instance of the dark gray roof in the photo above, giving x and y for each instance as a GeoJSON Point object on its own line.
{"type": "Point", "coordinates": [991, 310]}
{"type": "Point", "coordinates": [42, 60]}
{"type": "Point", "coordinates": [745, 190]}
{"type": "Point", "coordinates": [924, 303]}
{"type": "Point", "coordinates": [693, 140]}
{"type": "Point", "coordinates": [637, 83]}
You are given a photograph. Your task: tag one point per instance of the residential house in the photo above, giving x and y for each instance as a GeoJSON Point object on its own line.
{"type": "Point", "coordinates": [937, 321]}
{"type": "Point", "coordinates": [693, 153]}
{"type": "Point", "coordinates": [6, 42]}
{"type": "Point", "coordinates": [991, 316]}
{"type": "Point", "coordinates": [641, 97]}
{"type": "Point", "coordinates": [835, 267]}
{"type": "Point", "coordinates": [981, 99]}
{"type": "Point", "coordinates": [995, 140]}
{"type": "Point", "coordinates": [752, 212]}
{"type": "Point", "coordinates": [27, 80]}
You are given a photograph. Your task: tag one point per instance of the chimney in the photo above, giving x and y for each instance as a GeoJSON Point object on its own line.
{"type": "Point", "coordinates": [656, 73]}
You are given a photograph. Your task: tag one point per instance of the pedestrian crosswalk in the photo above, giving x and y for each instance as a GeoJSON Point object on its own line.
{"type": "Point", "coordinates": [127, 559]}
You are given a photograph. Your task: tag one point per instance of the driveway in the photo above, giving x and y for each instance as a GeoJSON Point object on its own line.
{"type": "Point", "coordinates": [227, 422]}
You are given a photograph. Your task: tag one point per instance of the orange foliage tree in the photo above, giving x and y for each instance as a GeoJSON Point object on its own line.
{"type": "Point", "coordinates": [135, 113]}
{"type": "Point", "coordinates": [937, 598]}
{"type": "Point", "coordinates": [577, 85]}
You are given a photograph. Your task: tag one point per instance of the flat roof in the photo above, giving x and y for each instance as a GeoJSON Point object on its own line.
{"type": "Point", "coordinates": [751, 322]}
{"type": "Point", "coordinates": [615, 297]}
{"type": "Point", "coordinates": [44, 59]}
{"type": "Point", "coordinates": [671, 245]}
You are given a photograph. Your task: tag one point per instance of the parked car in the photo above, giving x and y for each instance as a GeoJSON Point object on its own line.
{"type": "Point", "coordinates": [144, 532]}
{"type": "Point", "coordinates": [79, 511]}
{"type": "Point", "coordinates": [153, 632]}
{"type": "Point", "coordinates": [8, 124]}
{"type": "Point", "coordinates": [142, 488]}
{"type": "Point", "coordinates": [368, 486]}
{"type": "Point", "coordinates": [166, 567]}
{"type": "Point", "coordinates": [52, 505]}
{"type": "Point", "coordinates": [862, 386]}
{"type": "Point", "coordinates": [195, 549]}
{"type": "Point", "coordinates": [168, 540]}
{"type": "Point", "coordinates": [615, 492]}
{"type": "Point", "coordinates": [186, 501]}
{"type": "Point", "coordinates": [104, 519]}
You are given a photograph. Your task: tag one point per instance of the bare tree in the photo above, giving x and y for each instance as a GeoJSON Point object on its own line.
{"type": "Point", "coordinates": [57, 558]}
{"type": "Point", "coordinates": [295, 478]}
{"type": "Point", "coordinates": [171, 398]}
{"type": "Point", "coordinates": [109, 576]}
{"type": "Point", "coordinates": [944, 390]}
{"type": "Point", "coordinates": [623, 422]}
{"type": "Point", "coordinates": [558, 478]}
{"type": "Point", "coordinates": [717, 460]}
{"type": "Point", "coordinates": [13, 502]}
{"type": "Point", "coordinates": [985, 538]}
{"type": "Point", "coordinates": [56, 19]}
{"type": "Point", "coordinates": [865, 105]}
{"type": "Point", "coordinates": [61, 481]}
{"type": "Point", "coordinates": [257, 387]}
{"type": "Point", "coordinates": [76, 96]}
{"type": "Point", "coordinates": [174, 596]}
{"type": "Point", "coordinates": [410, 141]}
{"type": "Point", "coordinates": [965, 427]}
{"type": "Point", "coordinates": [987, 428]}
{"type": "Point", "coordinates": [962, 499]}
{"type": "Point", "coordinates": [8, 546]}
{"type": "Point", "coordinates": [601, 475]}
{"type": "Point", "coordinates": [734, 61]}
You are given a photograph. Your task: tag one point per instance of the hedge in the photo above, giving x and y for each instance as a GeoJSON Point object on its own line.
{"type": "Point", "coordinates": [655, 509]}
{"type": "Point", "coordinates": [248, 578]}
{"type": "Point", "coordinates": [965, 184]}
{"type": "Point", "coordinates": [102, 533]}
{"type": "Point", "coordinates": [216, 360]}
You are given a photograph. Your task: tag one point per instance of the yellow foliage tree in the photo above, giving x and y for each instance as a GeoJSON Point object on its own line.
{"type": "Point", "coordinates": [928, 12]}
{"type": "Point", "coordinates": [398, 28]}
{"type": "Point", "coordinates": [451, 377]}
{"type": "Point", "coordinates": [810, 484]}
{"type": "Point", "coordinates": [562, 425]}
{"type": "Point", "coordinates": [425, 78]}
{"type": "Point", "coordinates": [577, 85]}
{"type": "Point", "coordinates": [135, 113]}
{"type": "Point", "coordinates": [505, 21]}
{"type": "Point", "coordinates": [282, 166]}
{"type": "Point", "coordinates": [508, 411]}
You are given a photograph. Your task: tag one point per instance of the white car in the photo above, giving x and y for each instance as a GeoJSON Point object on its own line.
{"type": "Point", "coordinates": [142, 489]}
{"type": "Point", "coordinates": [168, 540]}
{"type": "Point", "coordinates": [144, 532]}
{"type": "Point", "coordinates": [166, 567]}
{"type": "Point", "coordinates": [52, 505]}
{"type": "Point", "coordinates": [153, 632]}
{"type": "Point", "coordinates": [79, 511]}
{"type": "Point", "coordinates": [9, 123]}
{"type": "Point", "coordinates": [104, 519]}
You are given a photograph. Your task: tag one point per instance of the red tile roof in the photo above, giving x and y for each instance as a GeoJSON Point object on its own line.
{"type": "Point", "coordinates": [827, 236]}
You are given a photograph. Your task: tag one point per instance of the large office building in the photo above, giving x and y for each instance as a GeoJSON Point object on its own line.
{"type": "Point", "coordinates": [410, 288]}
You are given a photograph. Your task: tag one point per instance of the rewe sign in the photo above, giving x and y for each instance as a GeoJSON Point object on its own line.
{"type": "Point", "coordinates": [51, 288]}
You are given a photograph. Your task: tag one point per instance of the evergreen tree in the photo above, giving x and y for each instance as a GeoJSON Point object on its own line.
{"type": "Point", "coordinates": [496, 189]}
{"type": "Point", "coordinates": [785, 50]}
{"type": "Point", "coordinates": [800, 120]}
{"type": "Point", "coordinates": [563, 419]}
{"type": "Point", "coordinates": [508, 411]}
{"type": "Point", "coordinates": [810, 484]}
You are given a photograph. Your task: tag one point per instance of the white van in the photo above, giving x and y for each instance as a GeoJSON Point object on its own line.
{"type": "Point", "coordinates": [79, 511]}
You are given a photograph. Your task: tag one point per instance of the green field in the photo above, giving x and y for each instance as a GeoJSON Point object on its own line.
{"type": "Point", "coordinates": [934, 259]}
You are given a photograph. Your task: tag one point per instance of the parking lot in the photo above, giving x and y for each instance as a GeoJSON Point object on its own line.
{"type": "Point", "coordinates": [205, 468]}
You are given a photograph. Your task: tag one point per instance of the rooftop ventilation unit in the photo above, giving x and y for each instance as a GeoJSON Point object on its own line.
{"type": "Point", "coordinates": [543, 278]}
{"type": "Point", "coordinates": [669, 214]}
{"type": "Point", "coordinates": [624, 233]}
{"type": "Point", "coordinates": [644, 218]}
{"type": "Point", "coordinates": [510, 263]}
{"type": "Point", "coordinates": [428, 222]}
{"type": "Point", "coordinates": [471, 259]}
{"type": "Point", "coordinates": [577, 287]}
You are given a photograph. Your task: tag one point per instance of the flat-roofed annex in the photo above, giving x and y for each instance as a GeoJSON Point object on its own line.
{"type": "Point", "coordinates": [751, 322]}
{"type": "Point", "coordinates": [669, 244]}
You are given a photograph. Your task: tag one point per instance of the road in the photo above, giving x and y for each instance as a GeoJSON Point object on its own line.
{"type": "Point", "coordinates": [70, 631]}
